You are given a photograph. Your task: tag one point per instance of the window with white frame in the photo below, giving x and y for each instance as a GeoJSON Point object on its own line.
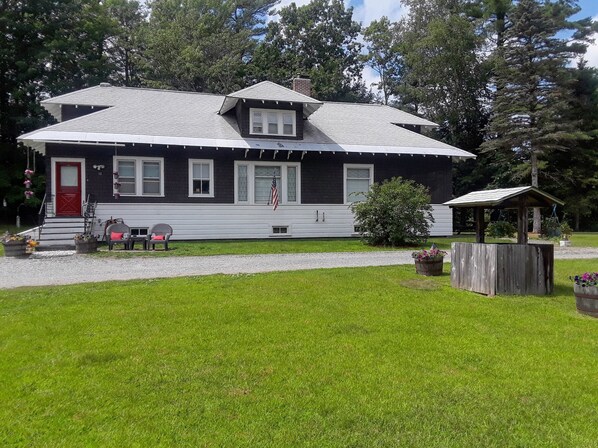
{"type": "Point", "coordinates": [140, 176]}
{"type": "Point", "coordinates": [358, 179]}
{"type": "Point", "coordinates": [253, 182]}
{"type": "Point", "coordinates": [272, 122]}
{"type": "Point", "coordinates": [201, 178]}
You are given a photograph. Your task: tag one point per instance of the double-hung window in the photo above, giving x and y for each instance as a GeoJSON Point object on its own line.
{"type": "Point", "coordinates": [254, 180]}
{"type": "Point", "coordinates": [139, 176]}
{"type": "Point", "coordinates": [358, 179]}
{"type": "Point", "coordinates": [273, 122]}
{"type": "Point", "coordinates": [201, 178]}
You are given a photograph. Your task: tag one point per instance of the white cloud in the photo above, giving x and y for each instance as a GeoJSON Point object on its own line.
{"type": "Point", "coordinates": [364, 13]}
{"type": "Point", "coordinates": [592, 53]}
{"type": "Point", "coordinates": [370, 77]}
{"type": "Point", "coordinates": [374, 9]}
{"type": "Point", "coordinates": [284, 3]}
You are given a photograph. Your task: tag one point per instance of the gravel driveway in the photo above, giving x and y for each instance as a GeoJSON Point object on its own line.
{"type": "Point", "coordinates": [52, 269]}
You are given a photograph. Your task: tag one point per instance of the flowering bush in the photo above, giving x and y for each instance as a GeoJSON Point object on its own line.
{"type": "Point", "coordinates": [85, 237]}
{"type": "Point", "coordinates": [429, 255]}
{"type": "Point", "coordinates": [12, 237]}
{"type": "Point", "coordinates": [587, 279]}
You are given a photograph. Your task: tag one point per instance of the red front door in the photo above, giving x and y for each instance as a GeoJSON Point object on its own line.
{"type": "Point", "coordinates": [68, 189]}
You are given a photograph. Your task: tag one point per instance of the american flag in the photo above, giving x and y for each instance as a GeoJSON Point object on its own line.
{"type": "Point", "coordinates": [274, 194]}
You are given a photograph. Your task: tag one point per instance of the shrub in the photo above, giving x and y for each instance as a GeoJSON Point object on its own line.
{"type": "Point", "coordinates": [566, 230]}
{"type": "Point", "coordinates": [550, 228]}
{"type": "Point", "coordinates": [501, 229]}
{"type": "Point", "coordinates": [395, 213]}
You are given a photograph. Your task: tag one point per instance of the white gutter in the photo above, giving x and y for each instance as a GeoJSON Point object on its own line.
{"type": "Point", "coordinates": [34, 139]}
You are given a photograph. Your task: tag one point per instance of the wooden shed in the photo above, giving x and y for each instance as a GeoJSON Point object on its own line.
{"type": "Point", "coordinates": [491, 269]}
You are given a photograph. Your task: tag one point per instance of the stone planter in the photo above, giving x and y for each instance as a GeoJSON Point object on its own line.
{"type": "Point", "coordinates": [429, 267]}
{"type": "Point", "coordinates": [86, 247]}
{"type": "Point", "coordinates": [586, 299]}
{"type": "Point", "coordinates": [565, 243]}
{"type": "Point", "coordinates": [15, 249]}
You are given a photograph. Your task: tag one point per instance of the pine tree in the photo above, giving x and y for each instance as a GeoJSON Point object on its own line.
{"type": "Point", "coordinates": [529, 121]}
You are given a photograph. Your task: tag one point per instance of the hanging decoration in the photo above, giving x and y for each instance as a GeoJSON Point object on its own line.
{"type": "Point", "coordinates": [28, 175]}
{"type": "Point", "coordinates": [116, 183]}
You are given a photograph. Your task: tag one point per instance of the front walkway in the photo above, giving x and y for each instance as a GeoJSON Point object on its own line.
{"type": "Point", "coordinates": [84, 269]}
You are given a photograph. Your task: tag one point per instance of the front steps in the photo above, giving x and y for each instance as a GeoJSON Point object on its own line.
{"type": "Point", "coordinates": [58, 233]}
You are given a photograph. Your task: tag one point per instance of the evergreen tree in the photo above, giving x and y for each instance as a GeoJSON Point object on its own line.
{"type": "Point", "coordinates": [573, 174]}
{"type": "Point", "coordinates": [319, 40]}
{"type": "Point", "coordinates": [202, 45]}
{"type": "Point", "coordinates": [124, 48]}
{"type": "Point", "coordinates": [529, 122]}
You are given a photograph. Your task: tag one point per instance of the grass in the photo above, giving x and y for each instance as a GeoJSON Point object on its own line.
{"type": "Point", "coordinates": [585, 239]}
{"type": "Point", "coordinates": [276, 246]}
{"type": "Point", "coordinates": [343, 357]}
{"type": "Point", "coordinates": [281, 246]}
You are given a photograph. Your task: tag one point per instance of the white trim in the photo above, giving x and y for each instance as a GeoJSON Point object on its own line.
{"type": "Point", "coordinates": [209, 162]}
{"type": "Point", "coordinates": [358, 166]}
{"type": "Point", "coordinates": [139, 175]}
{"type": "Point", "coordinates": [48, 135]}
{"type": "Point", "coordinates": [282, 190]}
{"type": "Point", "coordinates": [280, 121]}
{"type": "Point", "coordinates": [83, 179]}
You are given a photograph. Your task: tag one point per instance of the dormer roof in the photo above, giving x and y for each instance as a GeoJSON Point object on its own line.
{"type": "Point", "coordinates": [269, 91]}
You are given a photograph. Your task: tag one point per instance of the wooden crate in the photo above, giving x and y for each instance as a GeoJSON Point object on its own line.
{"type": "Point", "coordinates": [491, 269]}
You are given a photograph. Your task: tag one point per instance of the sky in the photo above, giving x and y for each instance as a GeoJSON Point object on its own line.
{"type": "Point", "coordinates": [367, 10]}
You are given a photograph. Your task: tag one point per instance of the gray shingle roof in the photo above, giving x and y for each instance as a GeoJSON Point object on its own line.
{"type": "Point", "coordinates": [193, 119]}
{"type": "Point", "coordinates": [505, 198]}
{"type": "Point", "coordinates": [269, 91]}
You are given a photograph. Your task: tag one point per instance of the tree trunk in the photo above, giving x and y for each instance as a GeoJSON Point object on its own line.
{"type": "Point", "coordinates": [537, 228]}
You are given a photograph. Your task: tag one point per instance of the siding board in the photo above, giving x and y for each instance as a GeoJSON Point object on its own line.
{"type": "Point", "coordinates": [220, 221]}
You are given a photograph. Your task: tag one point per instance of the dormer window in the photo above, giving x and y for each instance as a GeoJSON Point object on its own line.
{"type": "Point", "coordinates": [273, 122]}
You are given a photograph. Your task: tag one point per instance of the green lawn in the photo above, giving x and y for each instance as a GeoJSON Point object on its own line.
{"type": "Point", "coordinates": [274, 246]}
{"type": "Point", "coordinates": [343, 357]}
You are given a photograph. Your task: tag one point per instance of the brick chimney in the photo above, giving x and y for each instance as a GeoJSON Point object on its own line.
{"type": "Point", "coordinates": [302, 85]}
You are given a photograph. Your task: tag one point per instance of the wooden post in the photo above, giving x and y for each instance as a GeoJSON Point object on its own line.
{"type": "Point", "coordinates": [479, 225]}
{"type": "Point", "coordinates": [522, 221]}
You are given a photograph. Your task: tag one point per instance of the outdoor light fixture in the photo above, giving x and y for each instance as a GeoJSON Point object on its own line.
{"type": "Point", "coordinates": [99, 167]}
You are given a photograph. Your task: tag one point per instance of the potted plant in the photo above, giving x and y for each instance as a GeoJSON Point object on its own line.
{"type": "Point", "coordinates": [15, 245]}
{"type": "Point", "coordinates": [86, 243]}
{"type": "Point", "coordinates": [585, 288]}
{"type": "Point", "coordinates": [429, 262]}
{"type": "Point", "coordinates": [566, 232]}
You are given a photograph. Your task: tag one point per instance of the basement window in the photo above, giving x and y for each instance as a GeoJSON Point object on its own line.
{"type": "Point", "coordinates": [139, 231]}
{"type": "Point", "coordinates": [280, 230]}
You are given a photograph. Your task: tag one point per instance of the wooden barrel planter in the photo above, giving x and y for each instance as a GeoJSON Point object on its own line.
{"type": "Point", "coordinates": [86, 247]}
{"type": "Point", "coordinates": [513, 269]}
{"type": "Point", "coordinates": [15, 249]}
{"type": "Point", "coordinates": [586, 299]}
{"type": "Point", "coordinates": [429, 267]}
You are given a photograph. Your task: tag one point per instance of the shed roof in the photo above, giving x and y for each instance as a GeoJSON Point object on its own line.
{"type": "Point", "coordinates": [505, 198]}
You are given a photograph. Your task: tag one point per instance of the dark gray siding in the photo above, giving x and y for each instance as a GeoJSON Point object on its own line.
{"type": "Point", "coordinates": [321, 174]}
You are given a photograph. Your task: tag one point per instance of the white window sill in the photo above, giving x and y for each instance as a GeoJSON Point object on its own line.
{"type": "Point", "coordinates": [201, 196]}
